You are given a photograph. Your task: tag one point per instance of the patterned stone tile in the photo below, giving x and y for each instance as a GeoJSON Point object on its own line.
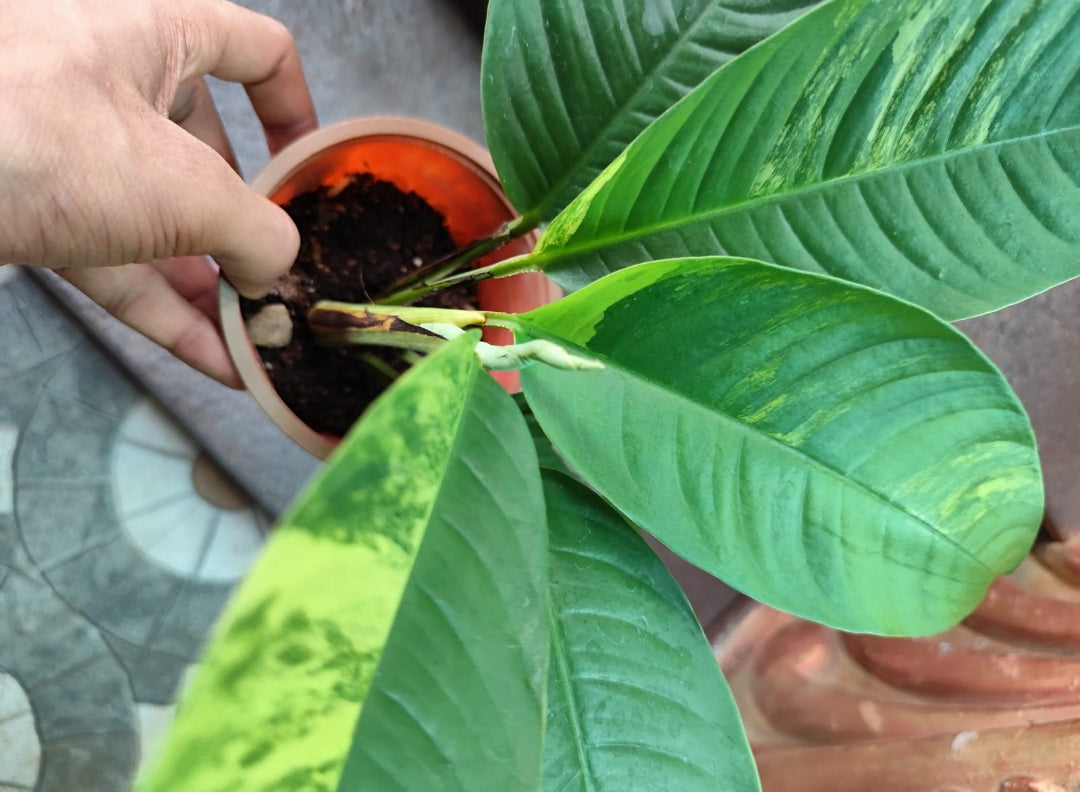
{"type": "Point", "coordinates": [114, 587]}
{"type": "Point", "coordinates": [238, 537]}
{"type": "Point", "coordinates": [20, 748]}
{"type": "Point", "coordinates": [42, 332]}
{"type": "Point", "coordinates": [173, 531]}
{"type": "Point", "coordinates": [20, 391]}
{"type": "Point", "coordinates": [155, 676]}
{"type": "Point", "coordinates": [64, 440]}
{"type": "Point", "coordinates": [89, 698]}
{"type": "Point", "coordinates": [157, 474]}
{"type": "Point", "coordinates": [93, 763]}
{"type": "Point", "coordinates": [188, 622]}
{"type": "Point", "coordinates": [13, 701]}
{"type": "Point", "coordinates": [146, 425]}
{"type": "Point", "coordinates": [86, 699]}
{"type": "Point", "coordinates": [60, 520]}
{"type": "Point", "coordinates": [80, 602]}
{"type": "Point", "coordinates": [154, 722]}
{"type": "Point", "coordinates": [13, 554]}
{"type": "Point", "coordinates": [9, 438]}
{"type": "Point", "coordinates": [90, 378]}
{"type": "Point", "coordinates": [42, 635]}
{"type": "Point", "coordinates": [84, 714]}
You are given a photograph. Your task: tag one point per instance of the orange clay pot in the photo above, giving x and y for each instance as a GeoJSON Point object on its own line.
{"type": "Point", "coordinates": [452, 173]}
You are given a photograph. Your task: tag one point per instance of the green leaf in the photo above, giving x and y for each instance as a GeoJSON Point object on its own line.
{"type": "Point", "coordinates": [546, 454]}
{"type": "Point", "coordinates": [636, 699]}
{"type": "Point", "coordinates": [927, 148]}
{"type": "Point", "coordinates": [457, 701]}
{"type": "Point", "coordinates": [419, 552]}
{"type": "Point", "coordinates": [567, 84]}
{"type": "Point", "coordinates": [820, 446]}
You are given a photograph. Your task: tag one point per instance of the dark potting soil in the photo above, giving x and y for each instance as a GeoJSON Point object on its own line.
{"type": "Point", "coordinates": [356, 241]}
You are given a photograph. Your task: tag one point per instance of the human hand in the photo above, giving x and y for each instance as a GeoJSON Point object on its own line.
{"type": "Point", "coordinates": [111, 152]}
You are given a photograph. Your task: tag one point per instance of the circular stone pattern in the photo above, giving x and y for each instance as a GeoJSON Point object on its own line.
{"type": "Point", "coordinates": [20, 748]}
{"type": "Point", "coordinates": [174, 504]}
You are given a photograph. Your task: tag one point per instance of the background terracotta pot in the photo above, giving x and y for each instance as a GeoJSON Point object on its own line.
{"type": "Point", "coordinates": [452, 173]}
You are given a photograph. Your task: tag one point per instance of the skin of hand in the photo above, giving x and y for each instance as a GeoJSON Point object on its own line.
{"type": "Point", "coordinates": [115, 168]}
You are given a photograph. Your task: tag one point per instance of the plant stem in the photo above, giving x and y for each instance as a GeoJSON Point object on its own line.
{"type": "Point", "coordinates": [380, 366]}
{"type": "Point", "coordinates": [513, 266]}
{"type": "Point", "coordinates": [502, 269]}
{"type": "Point", "coordinates": [423, 290]}
{"type": "Point", "coordinates": [503, 320]}
{"type": "Point", "coordinates": [377, 325]}
{"type": "Point", "coordinates": [336, 323]}
{"type": "Point", "coordinates": [416, 342]}
{"type": "Point", "coordinates": [332, 315]}
{"type": "Point", "coordinates": [446, 272]}
{"type": "Point", "coordinates": [436, 270]}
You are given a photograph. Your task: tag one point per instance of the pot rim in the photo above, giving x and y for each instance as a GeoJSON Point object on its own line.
{"type": "Point", "coordinates": [283, 165]}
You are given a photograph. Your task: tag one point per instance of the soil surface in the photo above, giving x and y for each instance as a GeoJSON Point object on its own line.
{"type": "Point", "coordinates": [356, 240]}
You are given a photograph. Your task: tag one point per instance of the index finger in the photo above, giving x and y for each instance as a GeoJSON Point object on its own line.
{"type": "Point", "coordinates": [239, 45]}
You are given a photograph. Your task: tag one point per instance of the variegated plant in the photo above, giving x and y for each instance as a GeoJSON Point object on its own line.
{"type": "Point", "coordinates": [756, 368]}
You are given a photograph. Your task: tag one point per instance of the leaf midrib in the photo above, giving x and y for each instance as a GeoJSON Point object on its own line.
{"type": "Point", "coordinates": [755, 434]}
{"type": "Point", "coordinates": [437, 492]}
{"type": "Point", "coordinates": [560, 656]}
{"type": "Point", "coordinates": [599, 243]}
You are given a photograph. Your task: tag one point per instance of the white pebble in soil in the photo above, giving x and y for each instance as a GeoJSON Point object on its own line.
{"type": "Point", "coordinates": [271, 327]}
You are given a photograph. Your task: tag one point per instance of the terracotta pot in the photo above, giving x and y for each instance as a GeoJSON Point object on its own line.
{"type": "Point", "coordinates": [992, 704]}
{"type": "Point", "coordinates": [452, 173]}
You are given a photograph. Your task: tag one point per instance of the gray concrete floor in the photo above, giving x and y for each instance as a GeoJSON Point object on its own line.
{"type": "Point", "coordinates": [102, 610]}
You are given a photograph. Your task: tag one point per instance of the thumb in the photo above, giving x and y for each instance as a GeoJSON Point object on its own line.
{"type": "Point", "coordinates": [213, 212]}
